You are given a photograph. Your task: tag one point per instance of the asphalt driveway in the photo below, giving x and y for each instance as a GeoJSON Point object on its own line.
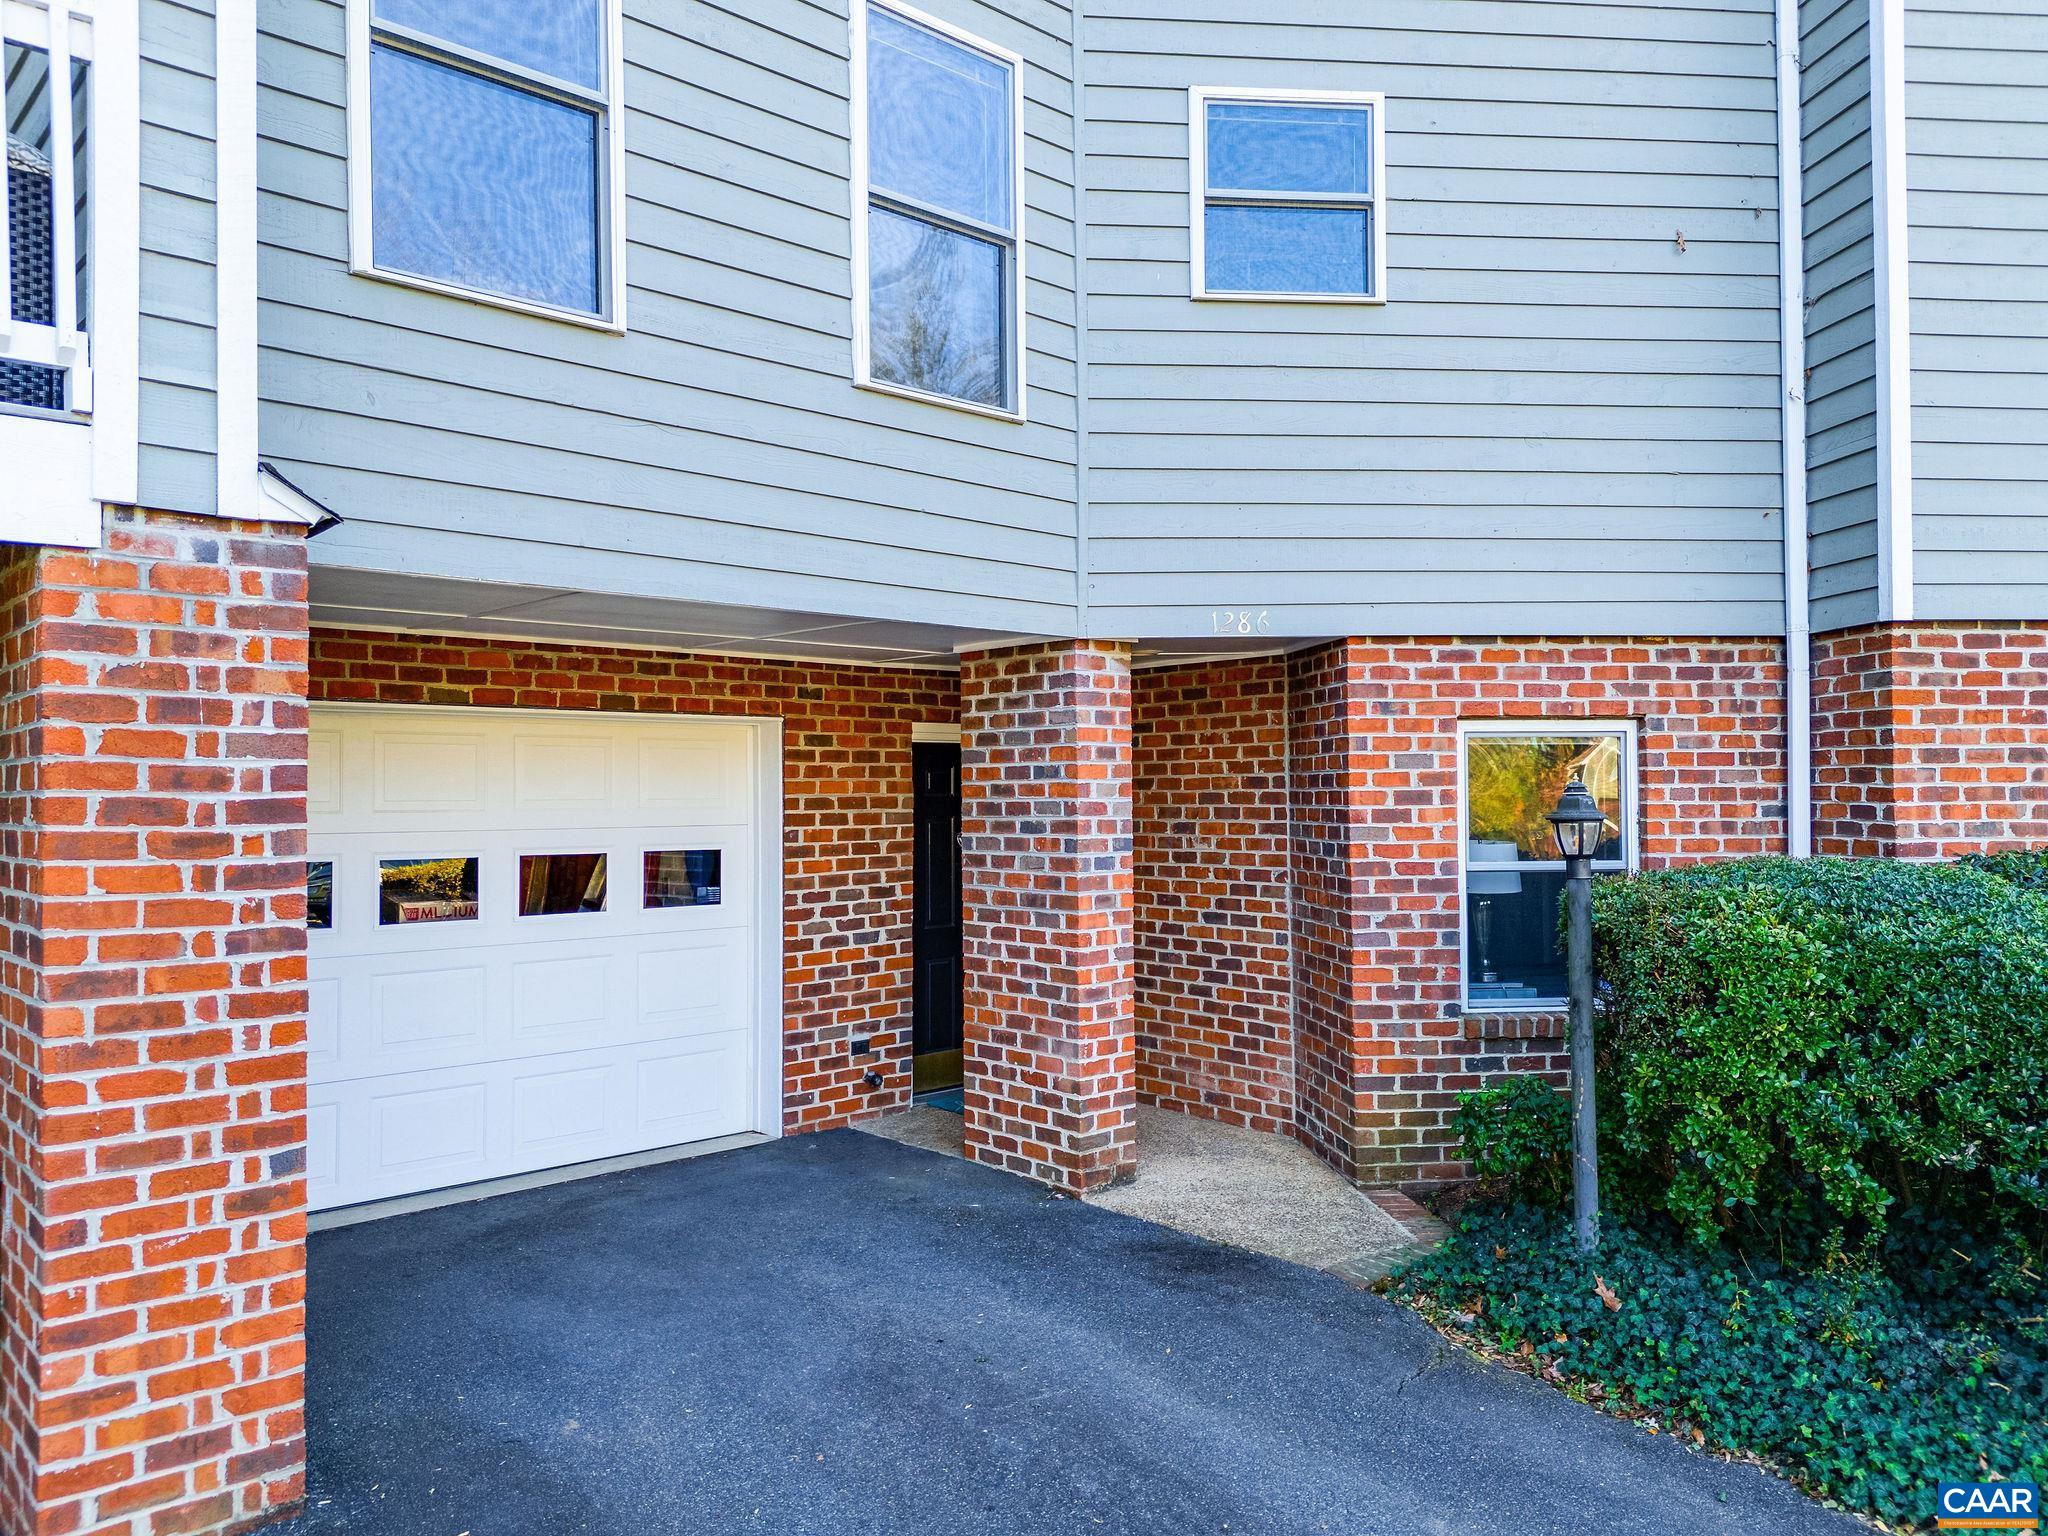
{"type": "Point", "coordinates": [836, 1333]}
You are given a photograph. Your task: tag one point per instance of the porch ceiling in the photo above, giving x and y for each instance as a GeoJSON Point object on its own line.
{"type": "Point", "coordinates": [343, 598]}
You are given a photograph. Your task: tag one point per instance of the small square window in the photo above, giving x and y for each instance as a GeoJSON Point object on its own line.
{"type": "Point", "coordinates": [682, 878]}
{"type": "Point", "coordinates": [1514, 878]}
{"type": "Point", "coordinates": [320, 893]}
{"type": "Point", "coordinates": [440, 890]}
{"type": "Point", "coordinates": [551, 883]}
{"type": "Point", "coordinates": [1286, 195]}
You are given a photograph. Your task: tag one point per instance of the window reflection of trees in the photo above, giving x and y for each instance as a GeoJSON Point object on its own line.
{"type": "Point", "coordinates": [918, 338]}
{"type": "Point", "coordinates": [1514, 782]}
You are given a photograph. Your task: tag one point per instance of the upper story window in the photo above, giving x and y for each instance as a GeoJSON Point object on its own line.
{"type": "Point", "coordinates": [938, 212]}
{"type": "Point", "coordinates": [1286, 195]}
{"type": "Point", "coordinates": [485, 151]}
{"type": "Point", "coordinates": [1511, 775]}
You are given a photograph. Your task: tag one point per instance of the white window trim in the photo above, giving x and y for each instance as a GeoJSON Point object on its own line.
{"type": "Point", "coordinates": [1631, 835]}
{"type": "Point", "coordinates": [1199, 98]}
{"type": "Point", "coordinates": [611, 187]}
{"type": "Point", "coordinates": [863, 376]}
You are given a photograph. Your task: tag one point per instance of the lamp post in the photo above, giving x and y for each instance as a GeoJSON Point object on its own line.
{"type": "Point", "coordinates": [1578, 824]}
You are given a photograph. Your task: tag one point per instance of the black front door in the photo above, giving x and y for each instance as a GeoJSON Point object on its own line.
{"type": "Point", "coordinates": [935, 918]}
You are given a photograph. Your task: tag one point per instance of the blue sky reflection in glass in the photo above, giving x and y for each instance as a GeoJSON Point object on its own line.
{"type": "Point", "coordinates": [481, 185]}
{"type": "Point", "coordinates": [563, 38]}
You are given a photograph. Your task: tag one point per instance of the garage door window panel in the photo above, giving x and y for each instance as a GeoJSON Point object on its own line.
{"type": "Point", "coordinates": [320, 893]}
{"type": "Point", "coordinates": [554, 883]}
{"type": "Point", "coordinates": [432, 890]}
{"type": "Point", "coordinates": [682, 878]}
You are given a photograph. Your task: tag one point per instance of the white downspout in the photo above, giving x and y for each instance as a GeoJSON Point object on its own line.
{"type": "Point", "coordinates": [1792, 404]}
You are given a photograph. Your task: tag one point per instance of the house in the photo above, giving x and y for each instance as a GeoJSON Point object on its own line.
{"type": "Point", "coordinates": [594, 578]}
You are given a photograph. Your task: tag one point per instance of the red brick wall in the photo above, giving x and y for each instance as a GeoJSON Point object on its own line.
{"type": "Point", "coordinates": [1209, 798]}
{"type": "Point", "coordinates": [1376, 877]}
{"type": "Point", "coordinates": [1045, 832]}
{"type": "Point", "coordinates": [1930, 740]}
{"type": "Point", "coordinates": [152, 1017]}
{"type": "Point", "coordinates": [1336, 953]}
{"type": "Point", "coordinates": [846, 811]}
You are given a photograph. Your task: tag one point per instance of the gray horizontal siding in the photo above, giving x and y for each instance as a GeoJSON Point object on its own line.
{"type": "Point", "coordinates": [176, 423]}
{"type": "Point", "coordinates": [1562, 420]}
{"type": "Point", "coordinates": [1841, 390]}
{"type": "Point", "coordinates": [1977, 178]}
{"type": "Point", "coordinates": [718, 451]}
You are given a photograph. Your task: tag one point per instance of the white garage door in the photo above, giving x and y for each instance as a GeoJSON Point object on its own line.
{"type": "Point", "coordinates": [534, 941]}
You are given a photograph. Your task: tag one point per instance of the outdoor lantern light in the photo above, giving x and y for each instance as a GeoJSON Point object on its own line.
{"type": "Point", "coordinates": [1578, 824]}
{"type": "Point", "coordinates": [1577, 821]}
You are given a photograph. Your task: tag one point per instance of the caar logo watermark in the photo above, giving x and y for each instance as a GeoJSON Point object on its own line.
{"type": "Point", "coordinates": [1988, 1507]}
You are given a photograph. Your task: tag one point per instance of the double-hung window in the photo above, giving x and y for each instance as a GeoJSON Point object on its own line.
{"type": "Point", "coordinates": [485, 152]}
{"type": "Point", "coordinates": [938, 212]}
{"type": "Point", "coordinates": [1285, 198]}
{"type": "Point", "coordinates": [1511, 774]}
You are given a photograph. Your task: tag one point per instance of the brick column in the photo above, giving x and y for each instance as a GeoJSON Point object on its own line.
{"type": "Point", "coordinates": [1930, 740]}
{"type": "Point", "coordinates": [152, 1020]}
{"type": "Point", "coordinates": [1045, 823]}
{"type": "Point", "coordinates": [1339, 1058]}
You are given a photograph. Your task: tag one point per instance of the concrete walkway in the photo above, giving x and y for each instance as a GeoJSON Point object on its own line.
{"type": "Point", "coordinates": [1250, 1189]}
{"type": "Point", "coordinates": [836, 1333]}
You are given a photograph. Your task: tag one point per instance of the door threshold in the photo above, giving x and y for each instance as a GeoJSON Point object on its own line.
{"type": "Point", "coordinates": [935, 1071]}
{"type": "Point", "coordinates": [511, 1184]}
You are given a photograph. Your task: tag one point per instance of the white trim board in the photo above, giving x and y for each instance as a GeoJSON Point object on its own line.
{"type": "Point", "coordinates": [1891, 279]}
{"type": "Point", "coordinates": [237, 493]}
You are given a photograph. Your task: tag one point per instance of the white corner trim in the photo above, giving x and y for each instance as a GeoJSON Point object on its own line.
{"type": "Point", "coordinates": [238, 493]}
{"type": "Point", "coordinates": [1792, 427]}
{"type": "Point", "coordinates": [1893, 305]}
{"type": "Point", "coordinates": [922, 731]}
{"type": "Point", "coordinates": [115, 136]}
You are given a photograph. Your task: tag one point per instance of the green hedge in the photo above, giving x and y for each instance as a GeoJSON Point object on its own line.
{"type": "Point", "coordinates": [2027, 867]}
{"type": "Point", "coordinates": [1852, 1044]}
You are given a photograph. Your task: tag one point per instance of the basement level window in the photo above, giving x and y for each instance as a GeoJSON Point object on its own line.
{"type": "Point", "coordinates": [1511, 775]}
{"type": "Point", "coordinates": [1285, 195]}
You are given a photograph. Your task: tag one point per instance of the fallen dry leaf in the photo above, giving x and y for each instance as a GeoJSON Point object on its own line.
{"type": "Point", "coordinates": [1607, 1297]}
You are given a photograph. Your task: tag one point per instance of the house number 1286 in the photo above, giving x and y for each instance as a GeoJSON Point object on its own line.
{"type": "Point", "coordinates": [1240, 621]}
